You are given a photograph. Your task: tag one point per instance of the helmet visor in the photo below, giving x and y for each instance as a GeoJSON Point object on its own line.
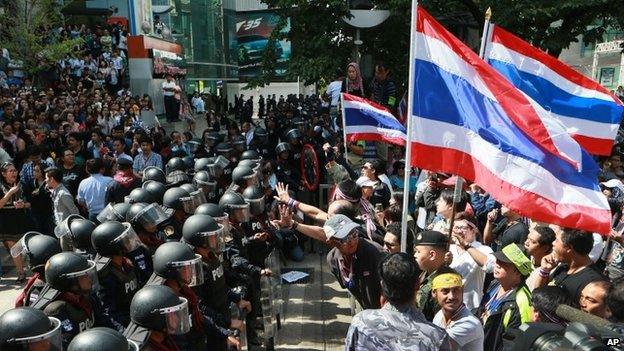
{"type": "Point", "coordinates": [49, 341]}
{"type": "Point", "coordinates": [239, 145]}
{"type": "Point", "coordinates": [225, 222]}
{"type": "Point", "coordinates": [62, 228]}
{"type": "Point", "coordinates": [190, 203]}
{"type": "Point", "coordinates": [256, 206]}
{"type": "Point", "coordinates": [153, 214]}
{"type": "Point", "coordinates": [108, 214]}
{"type": "Point", "coordinates": [208, 188]}
{"type": "Point", "coordinates": [215, 170]}
{"type": "Point", "coordinates": [213, 241]}
{"type": "Point", "coordinates": [86, 280]}
{"type": "Point", "coordinates": [128, 240]}
{"type": "Point", "coordinates": [177, 317]}
{"type": "Point", "coordinates": [190, 272]}
{"type": "Point", "coordinates": [240, 213]}
{"type": "Point", "coordinates": [177, 177]}
{"type": "Point", "coordinates": [20, 247]}
{"type": "Point", "coordinates": [222, 162]}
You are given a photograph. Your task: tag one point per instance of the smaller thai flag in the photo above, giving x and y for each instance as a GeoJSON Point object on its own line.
{"type": "Point", "coordinates": [366, 120]}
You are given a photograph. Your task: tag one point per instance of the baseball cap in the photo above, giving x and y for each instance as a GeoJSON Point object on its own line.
{"type": "Point", "coordinates": [431, 238]}
{"type": "Point", "coordinates": [339, 227]}
{"type": "Point", "coordinates": [514, 254]}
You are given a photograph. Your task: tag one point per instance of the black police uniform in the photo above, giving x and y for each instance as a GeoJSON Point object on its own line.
{"type": "Point", "coordinates": [118, 284]}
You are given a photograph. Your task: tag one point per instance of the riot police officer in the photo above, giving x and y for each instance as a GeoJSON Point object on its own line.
{"type": "Point", "coordinates": [26, 328]}
{"type": "Point", "coordinates": [139, 195]}
{"type": "Point", "coordinates": [176, 172]}
{"type": "Point", "coordinates": [258, 232]}
{"type": "Point", "coordinates": [158, 315]}
{"type": "Point", "coordinates": [113, 212]}
{"type": "Point", "coordinates": [242, 177]}
{"type": "Point", "coordinates": [203, 180]}
{"type": "Point", "coordinates": [74, 234]}
{"type": "Point", "coordinates": [155, 174]}
{"type": "Point", "coordinates": [259, 143]}
{"type": "Point", "coordinates": [150, 222]}
{"type": "Point", "coordinates": [173, 202]}
{"type": "Point", "coordinates": [286, 172]}
{"type": "Point", "coordinates": [68, 295]}
{"type": "Point", "coordinates": [205, 235]}
{"type": "Point", "coordinates": [38, 248]}
{"type": "Point", "coordinates": [179, 268]}
{"type": "Point", "coordinates": [117, 274]}
{"type": "Point", "coordinates": [156, 189]}
{"type": "Point", "coordinates": [97, 339]}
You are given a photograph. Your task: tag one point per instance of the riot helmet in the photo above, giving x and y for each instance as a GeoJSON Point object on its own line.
{"type": "Point", "coordinates": [193, 145]}
{"type": "Point", "coordinates": [211, 138]}
{"type": "Point", "coordinates": [155, 174]}
{"type": "Point", "coordinates": [203, 231]}
{"type": "Point", "coordinates": [294, 136]}
{"type": "Point", "coordinates": [27, 328]}
{"type": "Point", "coordinates": [239, 143]}
{"type": "Point", "coordinates": [234, 204]}
{"type": "Point", "coordinates": [176, 164]}
{"type": "Point", "coordinates": [70, 272]}
{"type": "Point", "coordinates": [225, 150]}
{"type": "Point", "coordinates": [113, 212]}
{"type": "Point", "coordinates": [172, 197]}
{"type": "Point", "coordinates": [202, 164]}
{"type": "Point", "coordinates": [203, 180]}
{"type": "Point", "coordinates": [115, 239]}
{"type": "Point", "coordinates": [75, 232]}
{"type": "Point", "coordinates": [196, 197]}
{"type": "Point", "coordinates": [156, 189]}
{"type": "Point", "coordinates": [157, 307]}
{"type": "Point", "coordinates": [261, 136]}
{"type": "Point", "coordinates": [216, 212]}
{"type": "Point", "coordinates": [139, 195]}
{"type": "Point", "coordinates": [98, 339]}
{"type": "Point", "coordinates": [147, 215]}
{"type": "Point", "coordinates": [243, 176]}
{"type": "Point", "coordinates": [176, 260]}
{"type": "Point", "coordinates": [250, 155]}
{"type": "Point", "coordinates": [38, 248]}
{"type": "Point", "coordinates": [253, 164]}
{"type": "Point", "coordinates": [255, 198]}
{"type": "Point", "coordinates": [189, 161]}
{"type": "Point", "coordinates": [283, 147]}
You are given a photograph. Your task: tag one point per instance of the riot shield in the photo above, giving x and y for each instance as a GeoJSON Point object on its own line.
{"type": "Point", "coordinates": [271, 298]}
{"type": "Point", "coordinates": [237, 313]}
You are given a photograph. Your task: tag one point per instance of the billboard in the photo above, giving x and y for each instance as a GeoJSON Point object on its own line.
{"type": "Point", "coordinates": [253, 30]}
{"type": "Point", "coordinates": [168, 62]}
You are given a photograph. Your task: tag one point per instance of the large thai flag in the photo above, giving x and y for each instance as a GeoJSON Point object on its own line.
{"type": "Point", "coordinates": [590, 113]}
{"type": "Point", "coordinates": [467, 119]}
{"type": "Point", "coordinates": [366, 120]}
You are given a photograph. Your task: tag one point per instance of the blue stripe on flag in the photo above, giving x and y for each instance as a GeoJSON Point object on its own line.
{"type": "Point", "coordinates": [557, 100]}
{"type": "Point", "coordinates": [358, 116]}
{"type": "Point", "coordinates": [466, 107]}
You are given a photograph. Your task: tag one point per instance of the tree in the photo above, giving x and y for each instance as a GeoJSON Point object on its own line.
{"type": "Point", "coordinates": [28, 29]}
{"type": "Point", "coordinates": [323, 42]}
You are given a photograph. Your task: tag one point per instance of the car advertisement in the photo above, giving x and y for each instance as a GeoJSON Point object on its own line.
{"type": "Point", "coordinates": [253, 30]}
{"type": "Point", "coordinates": [168, 62]}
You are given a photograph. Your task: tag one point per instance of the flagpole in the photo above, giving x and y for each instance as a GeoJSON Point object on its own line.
{"type": "Point", "coordinates": [486, 33]}
{"type": "Point", "coordinates": [344, 126]}
{"type": "Point", "coordinates": [410, 110]}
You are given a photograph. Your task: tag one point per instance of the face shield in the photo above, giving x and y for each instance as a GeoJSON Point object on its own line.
{"type": "Point", "coordinates": [20, 248]}
{"type": "Point", "coordinates": [191, 202]}
{"type": "Point", "coordinates": [215, 170]}
{"type": "Point", "coordinates": [222, 162]}
{"type": "Point", "coordinates": [177, 318]}
{"type": "Point", "coordinates": [225, 152]}
{"type": "Point", "coordinates": [225, 223]}
{"type": "Point", "coordinates": [208, 188]}
{"type": "Point", "coordinates": [84, 281]}
{"type": "Point", "coordinates": [153, 214]}
{"type": "Point", "coordinates": [256, 206]}
{"type": "Point", "coordinates": [128, 240]}
{"type": "Point", "coordinates": [190, 272]}
{"type": "Point", "coordinates": [239, 145]}
{"type": "Point", "coordinates": [240, 213]}
{"type": "Point", "coordinates": [213, 241]}
{"type": "Point", "coordinates": [176, 177]}
{"type": "Point", "coordinates": [109, 214]}
{"type": "Point", "coordinates": [49, 341]}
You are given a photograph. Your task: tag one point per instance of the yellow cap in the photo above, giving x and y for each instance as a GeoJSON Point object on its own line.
{"type": "Point", "coordinates": [446, 280]}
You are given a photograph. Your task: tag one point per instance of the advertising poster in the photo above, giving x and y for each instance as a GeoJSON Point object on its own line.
{"type": "Point", "coordinates": [168, 62]}
{"type": "Point", "coordinates": [253, 30]}
{"type": "Point", "coordinates": [607, 75]}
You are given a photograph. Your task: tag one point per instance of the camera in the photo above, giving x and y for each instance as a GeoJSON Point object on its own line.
{"type": "Point", "coordinates": [576, 336]}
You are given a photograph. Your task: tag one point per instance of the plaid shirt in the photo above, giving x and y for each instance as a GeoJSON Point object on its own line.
{"type": "Point", "coordinates": [27, 173]}
{"type": "Point", "coordinates": [141, 162]}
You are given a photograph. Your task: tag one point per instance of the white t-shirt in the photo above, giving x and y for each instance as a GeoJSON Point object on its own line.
{"type": "Point", "coordinates": [170, 85]}
{"type": "Point", "coordinates": [333, 90]}
{"type": "Point", "coordinates": [473, 275]}
{"type": "Point", "coordinates": [466, 331]}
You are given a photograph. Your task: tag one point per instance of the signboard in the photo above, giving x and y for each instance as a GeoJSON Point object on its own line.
{"type": "Point", "coordinates": [610, 46]}
{"type": "Point", "coordinates": [168, 62]}
{"type": "Point", "coordinates": [253, 30]}
{"type": "Point", "coordinates": [607, 76]}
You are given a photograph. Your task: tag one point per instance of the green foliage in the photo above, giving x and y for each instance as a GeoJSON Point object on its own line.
{"type": "Point", "coordinates": [323, 42]}
{"type": "Point", "coordinates": [28, 31]}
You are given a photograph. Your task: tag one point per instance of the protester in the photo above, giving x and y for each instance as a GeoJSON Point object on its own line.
{"type": "Point", "coordinates": [538, 244]}
{"type": "Point", "coordinates": [545, 301]}
{"type": "Point", "coordinates": [62, 199]}
{"type": "Point", "coordinates": [398, 325]}
{"type": "Point", "coordinates": [92, 190]}
{"type": "Point", "coordinates": [593, 298]}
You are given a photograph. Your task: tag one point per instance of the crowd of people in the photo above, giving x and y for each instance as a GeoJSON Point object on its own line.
{"type": "Point", "coordinates": [153, 238]}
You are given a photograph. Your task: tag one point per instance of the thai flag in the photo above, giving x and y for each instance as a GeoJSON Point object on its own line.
{"type": "Point", "coordinates": [467, 119]}
{"type": "Point", "coordinates": [366, 120]}
{"type": "Point", "coordinates": [589, 112]}
{"type": "Point", "coordinates": [403, 109]}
